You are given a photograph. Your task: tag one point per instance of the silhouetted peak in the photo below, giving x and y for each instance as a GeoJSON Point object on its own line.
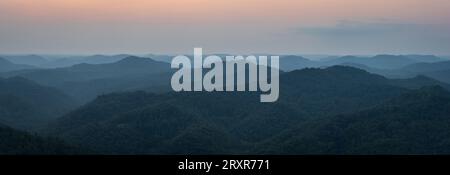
{"type": "Point", "coordinates": [349, 57]}
{"type": "Point", "coordinates": [293, 57]}
{"type": "Point", "coordinates": [135, 59]}
{"type": "Point", "coordinates": [391, 57]}
{"type": "Point", "coordinates": [339, 69]}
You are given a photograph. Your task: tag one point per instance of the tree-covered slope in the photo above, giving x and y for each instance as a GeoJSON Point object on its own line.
{"type": "Point", "coordinates": [200, 122]}
{"type": "Point", "coordinates": [417, 122]}
{"type": "Point", "coordinates": [14, 142]}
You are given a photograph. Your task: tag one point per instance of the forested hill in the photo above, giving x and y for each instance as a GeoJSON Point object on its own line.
{"type": "Point", "coordinates": [16, 142]}
{"type": "Point", "coordinates": [221, 123]}
{"type": "Point", "coordinates": [417, 122]}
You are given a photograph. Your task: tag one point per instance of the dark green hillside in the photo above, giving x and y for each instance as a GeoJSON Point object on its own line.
{"type": "Point", "coordinates": [208, 123]}
{"type": "Point", "coordinates": [14, 142]}
{"type": "Point", "coordinates": [417, 122]}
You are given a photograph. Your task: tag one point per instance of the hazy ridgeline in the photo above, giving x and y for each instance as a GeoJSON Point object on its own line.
{"type": "Point", "coordinates": [123, 104]}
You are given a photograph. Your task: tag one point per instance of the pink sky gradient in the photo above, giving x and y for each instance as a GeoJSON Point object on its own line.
{"type": "Point", "coordinates": [178, 25]}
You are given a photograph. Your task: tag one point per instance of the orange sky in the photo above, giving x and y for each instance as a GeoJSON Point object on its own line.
{"type": "Point", "coordinates": [161, 17]}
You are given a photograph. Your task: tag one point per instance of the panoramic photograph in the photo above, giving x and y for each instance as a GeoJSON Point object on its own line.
{"type": "Point", "coordinates": [224, 78]}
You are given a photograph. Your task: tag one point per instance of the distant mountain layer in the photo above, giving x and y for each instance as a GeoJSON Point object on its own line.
{"type": "Point", "coordinates": [443, 75]}
{"type": "Point", "coordinates": [382, 63]}
{"type": "Point", "coordinates": [94, 59]}
{"type": "Point", "coordinates": [27, 105]}
{"type": "Point", "coordinates": [426, 58]}
{"type": "Point", "coordinates": [42, 62]}
{"type": "Point", "coordinates": [437, 70]}
{"type": "Point", "coordinates": [428, 67]}
{"type": "Point", "coordinates": [86, 81]}
{"type": "Point", "coordinates": [32, 60]}
{"type": "Point", "coordinates": [223, 123]}
{"type": "Point", "coordinates": [6, 66]}
{"type": "Point", "coordinates": [288, 62]}
{"type": "Point", "coordinates": [379, 61]}
{"type": "Point", "coordinates": [293, 62]}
